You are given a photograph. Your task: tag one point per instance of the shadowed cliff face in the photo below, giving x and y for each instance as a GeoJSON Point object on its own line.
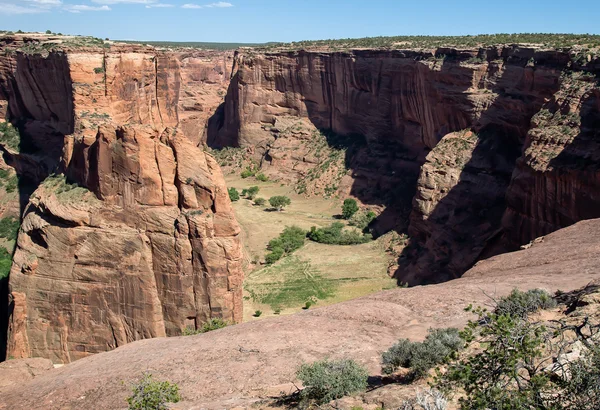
{"type": "Point", "coordinates": [134, 237]}
{"type": "Point", "coordinates": [444, 137]}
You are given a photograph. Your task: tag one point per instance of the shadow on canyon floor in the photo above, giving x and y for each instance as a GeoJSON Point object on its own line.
{"type": "Point", "coordinates": [43, 115]}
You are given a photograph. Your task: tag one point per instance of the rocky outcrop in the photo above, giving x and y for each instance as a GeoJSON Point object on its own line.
{"type": "Point", "coordinates": [130, 233]}
{"type": "Point", "coordinates": [450, 140]}
{"type": "Point", "coordinates": [251, 364]}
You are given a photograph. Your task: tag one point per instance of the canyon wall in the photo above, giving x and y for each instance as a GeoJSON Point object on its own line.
{"type": "Point", "coordinates": [446, 144]}
{"type": "Point", "coordinates": [129, 232]}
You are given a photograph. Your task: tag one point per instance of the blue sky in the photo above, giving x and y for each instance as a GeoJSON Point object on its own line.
{"type": "Point", "coordinates": [289, 20]}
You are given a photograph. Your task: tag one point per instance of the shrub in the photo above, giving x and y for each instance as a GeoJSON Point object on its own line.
{"type": "Point", "coordinates": [262, 177]}
{"type": "Point", "coordinates": [252, 191]}
{"type": "Point", "coordinates": [247, 173]}
{"type": "Point", "coordinates": [273, 256]}
{"type": "Point", "coordinates": [291, 239]}
{"type": "Point", "coordinates": [582, 389]}
{"type": "Point", "coordinates": [212, 324]}
{"type": "Point", "coordinates": [10, 136]}
{"type": "Point", "coordinates": [420, 357]}
{"type": "Point", "coordinates": [152, 395]}
{"type": "Point", "coordinates": [279, 202]}
{"type": "Point", "coordinates": [234, 195]}
{"type": "Point", "coordinates": [48, 32]}
{"type": "Point", "coordinates": [9, 228]}
{"type": "Point", "coordinates": [335, 235]}
{"type": "Point", "coordinates": [257, 313]}
{"type": "Point", "coordinates": [520, 303]}
{"type": "Point", "coordinates": [260, 201]}
{"type": "Point", "coordinates": [362, 219]}
{"type": "Point", "coordinates": [427, 399]}
{"type": "Point", "coordinates": [5, 262]}
{"type": "Point", "coordinates": [329, 380]}
{"type": "Point", "coordinates": [349, 208]}
{"type": "Point", "coordinates": [99, 70]}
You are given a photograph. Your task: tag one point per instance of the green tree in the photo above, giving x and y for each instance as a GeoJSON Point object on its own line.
{"type": "Point", "coordinates": [48, 32]}
{"type": "Point", "coordinates": [234, 195]}
{"type": "Point", "coordinates": [279, 202]}
{"type": "Point", "coordinates": [349, 208]}
{"type": "Point", "coordinates": [291, 239]}
{"type": "Point", "coordinates": [260, 201]}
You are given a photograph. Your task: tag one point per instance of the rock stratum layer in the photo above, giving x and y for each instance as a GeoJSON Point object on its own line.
{"type": "Point", "coordinates": [129, 233]}
{"type": "Point", "coordinates": [469, 152]}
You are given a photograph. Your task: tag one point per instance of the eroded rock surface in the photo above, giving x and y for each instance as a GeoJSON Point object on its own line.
{"type": "Point", "coordinates": [250, 364]}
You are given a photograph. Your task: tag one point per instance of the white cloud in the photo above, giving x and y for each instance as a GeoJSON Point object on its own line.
{"type": "Point", "coordinates": [6, 8]}
{"type": "Point", "coordinates": [159, 5]}
{"type": "Point", "coordinates": [124, 1]}
{"type": "Point", "coordinates": [46, 3]}
{"type": "Point", "coordinates": [220, 4]}
{"type": "Point", "coordinates": [78, 8]}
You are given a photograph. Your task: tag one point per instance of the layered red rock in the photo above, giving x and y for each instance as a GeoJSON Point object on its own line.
{"type": "Point", "coordinates": [135, 236]}
{"type": "Point", "coordinates": [409, 107]}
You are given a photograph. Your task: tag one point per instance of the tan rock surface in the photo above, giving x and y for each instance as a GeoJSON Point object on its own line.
{"type": "Point", "coordinates": [246, 363]}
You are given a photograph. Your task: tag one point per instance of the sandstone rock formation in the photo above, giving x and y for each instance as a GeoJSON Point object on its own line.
{"type": "Point", "coordinates": [448, 143]}
{"type": "Point", "coordinates": [134, 236]}
{"type": "Point", "coordinates": [248, 365]}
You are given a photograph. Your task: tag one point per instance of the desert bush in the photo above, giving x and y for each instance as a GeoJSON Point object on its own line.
{"type": "Point", "coordinates": [274, 256]}
{"type": "Point", "coordinates": [262, 177]}
{"type": "Point", "coordinates": [248, 172]}
{"type": "Point", "coordinates": [252, 192]}
{"type": "Point", "coordinates": [335, 234]}
{"type": "Point", "coordinates": [234, 195]}
{"type": "Point", "coordinates": [5, 262]}
{"type": "Point", "coordinates": [257, 313]}
{"type": "Point", "coordinates": [10, 136]}
{"type": "Point", "coordinates": [582, 388]}
{"type": "Point", "coordinates": [427, 399]}
{"type": "Point", "coordinates": [362, 219]}
{"type": "Point", "coordinates": [279, 202]}
{"type": "Point", "coordinates": [420, 357]}
{"type": "Point", "coordinates": [349, 208]}
{"type": "Point", "coordinates": [329, 380]}
{"type": "Point", "coordinates": [149, 394]}
{"type": "Point", "coordinates": [212, 324]}
{"type": "Point", "coordinates": [260, 201]}
{"type": "Point", "coordinates": [9, 227]}
{"type": "Point", "coordinates": [521, 304]}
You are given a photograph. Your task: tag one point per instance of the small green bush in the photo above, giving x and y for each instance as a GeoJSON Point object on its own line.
{"type": "Point", "coordinates": [420, 357]}
{"type": "Point", "coordinates": [149, 394]}
{"type": "Point", "coordinates": [521, 304]}
{"type": "Point", "coordinates": [252, 192]}
{"type": "Point", "coordinates": [212, 324]}
{"type": "Point", "coordinates": [279, 202]}
{"type": "Point", "coordinates": [349, 208]}
{"type": "Point", "coordinates": [362, 219]}
{"type": "Point", "coordinates": [260, 201]}
{"type": "Point", "coordinates": [5, 262]}
{"type": "Point", "coordinates": [234, 195]}
{"type": "Point", "coordinates": [247, 173]}
{"type": "Point", "coordinates": [335, 234]}
{"type": "Point", "coordinates": [262, 177]}
{"type": "Point", "coordinates": [273, 256]}
{"type": "Point", "coordinates": [257, 313]}
{"type": "Point", "coordinates": [99, 70]}
{"type": "Point", "coordinates": [48, 32]}
{"type": "Point", "coordinates": [10, 136]}
{"type": "Point", "coordinates": [9, 228]}
{"type": "Point", "coordinates": [329, 380]}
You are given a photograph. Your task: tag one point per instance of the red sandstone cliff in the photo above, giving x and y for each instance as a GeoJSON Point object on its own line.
{"type": "Point", "coordinates": [147, 244]}
{"type": "Point", "coordinates": [444, 142]}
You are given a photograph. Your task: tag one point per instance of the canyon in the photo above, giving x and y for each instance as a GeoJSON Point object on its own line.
{"type": "Point", "coordinates": [126, 227]}
{"type": "Point", "coordinates": [470, 152]}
